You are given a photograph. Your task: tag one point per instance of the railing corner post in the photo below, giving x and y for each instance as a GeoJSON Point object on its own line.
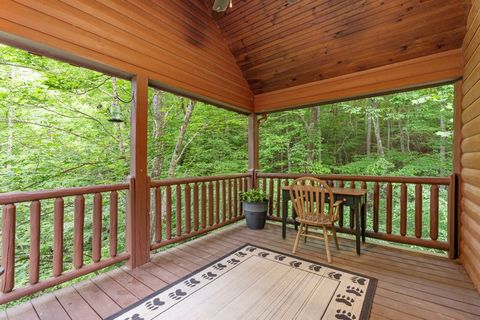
{"type": "Point", "coordinates": [453, 217]}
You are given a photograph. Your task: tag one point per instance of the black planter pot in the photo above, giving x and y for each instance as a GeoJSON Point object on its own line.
{"type": "Point", "coordinates": [255, 214]}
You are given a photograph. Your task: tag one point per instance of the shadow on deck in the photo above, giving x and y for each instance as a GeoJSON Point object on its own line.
{"type": "Point", "coordinates": [411, 285]}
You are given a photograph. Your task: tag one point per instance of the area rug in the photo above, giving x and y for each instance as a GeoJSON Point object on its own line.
{"type": "Point", "coordinates": [257, 283]}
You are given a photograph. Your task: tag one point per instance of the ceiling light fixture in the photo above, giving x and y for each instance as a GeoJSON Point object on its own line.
{"type": "Point", "coordinates": [222, 5]}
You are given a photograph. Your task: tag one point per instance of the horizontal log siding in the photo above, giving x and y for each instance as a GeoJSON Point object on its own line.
{"type": "Point", "coordinates": [470, 159]}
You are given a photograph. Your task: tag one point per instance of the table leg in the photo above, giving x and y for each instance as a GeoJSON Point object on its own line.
{"type": "Point", "coordinates": [284, 216]}
{"type": "Point", "coordinates": [364, 218]}
{"type": "Point", "coordinates": [357, 213]}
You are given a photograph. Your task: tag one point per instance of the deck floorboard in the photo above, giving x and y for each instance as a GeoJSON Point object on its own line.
{"type": "Point", "coordinates": [411, 285]}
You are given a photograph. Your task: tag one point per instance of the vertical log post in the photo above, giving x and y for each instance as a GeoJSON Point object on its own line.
{"type": "Point", "coordinates": [8, 247]}
{"type": "Point", "coordinates": [188, 203]}
{"type": "Point", "coordinates": [418, 210]}
{"type": "Point", "coordinates": [195, 207]}
{"type": "Point", "coordinates": [253, 141]}
{"type": "Point", "coordinates": [97, 228]}
{"type": "Point", "coordinates": [137, 216]}
{"type": "Point", "coordinates": [113, 223]}
{"type": "Point", "coordinates": [34, 268]}
{"type": "Point", "coordinates": [78, 227]}
{"type": "Point", "coordinates": [158, 214]}
{"type": "Point", "coordinates": [178, 210]}
{"type": "Point", "coordinates": [58, 237]}
{"type": "Point", "coordinates": [403, 209]}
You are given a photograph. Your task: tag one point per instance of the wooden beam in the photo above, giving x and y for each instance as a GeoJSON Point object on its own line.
{"type": "Point", "coordinates": [253, 144]}
{"type": "Point", "coordinates": [430, 70]}
{"type": "Point", "coordinates": [137, 214]}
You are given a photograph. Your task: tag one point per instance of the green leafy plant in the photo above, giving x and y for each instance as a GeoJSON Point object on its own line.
{"type": "Point", "coordinates": [253, 195]}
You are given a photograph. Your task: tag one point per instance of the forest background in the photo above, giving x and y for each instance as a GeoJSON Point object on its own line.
{"type": "Point", "coordinates": [55, 132]}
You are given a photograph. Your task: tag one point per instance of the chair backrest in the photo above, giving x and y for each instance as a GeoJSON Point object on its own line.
{"type": "Point", "coordinates": [308, 195]}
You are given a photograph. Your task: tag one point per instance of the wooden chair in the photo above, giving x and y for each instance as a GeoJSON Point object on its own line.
{"type": "Point", "coordinates": [308, 196]}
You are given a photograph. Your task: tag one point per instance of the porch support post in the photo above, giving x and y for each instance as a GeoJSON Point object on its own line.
{"type": "Point", "coordinates": [455, 195]}
{"type": "Point", "coordinates": [137, 210]}
{"type": "Point", "coordinates": [253, 141]}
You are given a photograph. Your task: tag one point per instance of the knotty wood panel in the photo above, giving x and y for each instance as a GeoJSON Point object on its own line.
{"type": "Point", "coordinates": [470, 158]}
{"type": "Point", "coordinates": [438, 68]}
{"type": "Point", "coordinates": [175, 43]}
{"type": "Point", "coordinates": [278, 45]}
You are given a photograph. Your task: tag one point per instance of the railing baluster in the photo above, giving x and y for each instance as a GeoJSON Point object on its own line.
{"type": "Point", "coordinates": [279, 195]}
{"type": "Point", "coordinates": [434, 212]}
{"type": "Point", "coordinates": [340, 210]}
{"type": "Point", "coordinates": [389, 209]}
{"type": "Point", "coordinates": [58, 237]}
{"type": "Point", "coordinates": [270, 196]}
{"type": "Point", "coordinates": [188, 204]}
{"type": "Point", "coordinates": [204, 205]}
{"type": "Point", "coordinates": [113, 223]}
{"type": "Point", "coordinates": [195, 206]}
{"type": "Point", "coordinates": [158, 214]}
{"type": "Point", "coordinates": [229, 199]}
{"type": "Point", "coordinates": [34, 267]}
{"type": "Point", "coordinates": [168, 212]}
{"type": "Point", "coordinates": [217, 202]}
{"type": "Point", "coordinates": [376, 203]}
{"type": "Point", "coordinates": [178, 211]}
{"type": "Point", "coordinates": [418, 210]}
{"type": "Point", "coordinates": [240, 203]}
{"type": "Point", "coordinates": [8, 247]}
{"type": "Point", "coordinates": [97, 228]}
{"type": "Point", "coordinates": [224, 200]}
{"type": "Point", "coordinates": [403, 209]}
{"type": "Point", "coordinates": [78, 226]}
{"type": "Point", "coordinates": [235, 198]}
{"type": "Point", "coordinates": [210, 204]}
{"type": "Point", "coordinates": [264, 185]}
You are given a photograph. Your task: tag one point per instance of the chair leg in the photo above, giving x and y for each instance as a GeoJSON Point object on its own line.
{"type": "Point", "coordinates": [327, 245]}
{"type": "Point", "coordinates": [297, 238]}
{"type": "Point", "coordinates": [306, 232]}
{"type": "Point", "coordinates": [335, 236]}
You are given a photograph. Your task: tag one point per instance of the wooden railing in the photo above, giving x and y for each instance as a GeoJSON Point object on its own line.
{"type": "Point", "coordinates": [188, 207]}
{"type": "Point", "coordinates": [62, 206]}
{"type": "Point", "coordinates": [419, 202]}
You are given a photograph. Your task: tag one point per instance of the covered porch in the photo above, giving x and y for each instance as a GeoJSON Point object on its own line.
{"type": "Point", "coordinates": [253, 64]}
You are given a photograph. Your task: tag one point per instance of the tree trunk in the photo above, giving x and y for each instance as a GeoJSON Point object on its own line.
{"type": "Point", "coordinates": [181, 136]}
{"type": "Point", "coordinates": [11, 117]}
{"type": "Point", "coordinates": [389, 138]}
{"type": "Point", "coordinates": [442, 141]}
{"type": "Point", "coordinates": [402, 140]}
{"type": "Point", "coordinates": [376, 127]}
{"type": "Point", "coordinates": [369, 132]}
{"type": "Point", "coordinates": [319, 138]}
{"type": "Point", "coordinates": [119, 125]}
{"type": "Point", "coordinates": [311, 128]}
{"type": "Point", "coordinates": [158, 132]}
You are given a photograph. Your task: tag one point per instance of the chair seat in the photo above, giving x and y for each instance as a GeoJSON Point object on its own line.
{"type": "Point", "coordinates": [314, 220]}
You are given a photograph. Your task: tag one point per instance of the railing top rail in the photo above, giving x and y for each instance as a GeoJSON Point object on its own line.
{"type": "Point", "coordinates": [419, 180]}
{"type": "Point", "coordinates": [176, 181]}
{"type": "Point", "coordinates": [21, 196]}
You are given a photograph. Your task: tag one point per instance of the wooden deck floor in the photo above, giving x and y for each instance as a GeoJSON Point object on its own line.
{"type": "Point", "coordinates": [411, 285]}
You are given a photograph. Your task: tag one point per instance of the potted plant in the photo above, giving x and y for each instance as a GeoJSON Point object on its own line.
{"type": "Point", "coordinates": [255, 207]}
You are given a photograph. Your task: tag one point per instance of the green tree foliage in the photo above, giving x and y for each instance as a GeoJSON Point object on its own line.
{"type": "Point", "coordinates": [55, 133]}
{"type": "Point", "coordinates": [410, 126]}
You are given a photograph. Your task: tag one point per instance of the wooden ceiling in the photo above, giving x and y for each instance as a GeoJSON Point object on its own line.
{"type": "Point", "coordinates": [279, 45]}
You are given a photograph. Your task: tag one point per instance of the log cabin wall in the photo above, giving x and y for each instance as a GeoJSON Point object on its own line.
{"type": "Point", "coordinates": [470, 158]}
{"type": "Point", "coordinates": [176, 44]}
